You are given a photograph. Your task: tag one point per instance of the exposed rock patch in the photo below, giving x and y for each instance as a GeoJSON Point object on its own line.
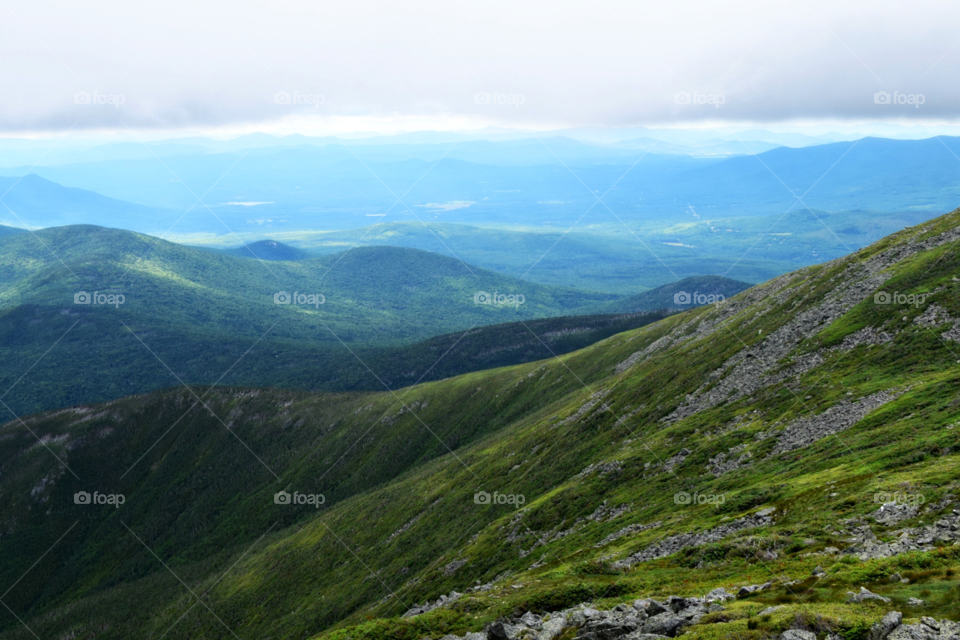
{"type": "Point", "coordinates": [840, 417]}
{"type": "Point", "coordinates": [442, 601]}
{"type": "Point", "coordinates": [673, 544]}
{"type": "Point", "coordinates": [722, 464]}
{"type": "Point", "coordinates": [892, 513]}
{"type": "Point", "coordinates": [645, 619]}
{"type": "Point", "coordinates": [746, 372]}
{"type": "Point", "coordinates": [924, 538]}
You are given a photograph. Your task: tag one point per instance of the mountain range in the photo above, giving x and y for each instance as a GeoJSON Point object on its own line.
{"type": "Point", "coordinates": [552, 182]}
{"type": "Point", "coordinates": [129, 313]}
{"type": "Point", "coordinates": [781, 462]}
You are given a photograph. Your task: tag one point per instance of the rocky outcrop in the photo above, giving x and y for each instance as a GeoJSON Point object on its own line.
{"type": "Point", "coordinates": [840, 417]}
{"type": "Point", "coordinates": [442, 601]}
{"type": "Point", "coordinates": [866, 546]}
{"type": "Point", "coordinates": [747, 590]}
{"type": "Point", "coordinates": [886, 626]}
{"type": "Point", "coordinates": [759, 365]}
{"type": "Point", "coordinates": [721, 463]}
{"type": "Point", "coordinates": [926, 629]}
{"type": "Point", "coordinates": [673, 544]}
{"type": "Point", "coordinates": [892, 513]}
{"type": "Point", "coordinates": [645, 619]}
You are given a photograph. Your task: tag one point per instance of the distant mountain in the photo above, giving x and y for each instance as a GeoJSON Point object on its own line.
{"type": "Point", "coordinates": [268, 250]}
{"type": "Point", "coordinates": [872, 173]}
{"type": "Point", "coordinates": [549, 182]}
{"type": "Point", "coordinates": [32, 201]}
{"type": "Point", "coordinates": [194, 315]}
{"type": "Point", "coordinates": [630, 261]}
{"type": "Point", "coordinates": [690, 292]}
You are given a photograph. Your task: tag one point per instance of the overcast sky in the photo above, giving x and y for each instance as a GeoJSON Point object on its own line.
{"type": "Point", "coordinates": [333, 67]}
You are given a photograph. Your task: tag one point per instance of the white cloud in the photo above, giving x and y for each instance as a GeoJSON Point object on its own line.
{"type": "Point", "coordinates": [389, 67]}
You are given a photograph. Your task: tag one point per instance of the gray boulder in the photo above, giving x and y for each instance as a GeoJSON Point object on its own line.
{"type": "Point", "coordinates": [530, 619]}
{"type": "Point", "coordinates": [865, 595]}
{"type": "Point", "coordinates": [579, 617]}
{"type": "Point", "coordinates": [609, 628]}
{"type": "Point", "coordinates": [502, 631]}
{"type": "Point", "coordinates": [663, 624]}
{"type": "Point", "coordinates": [885, 627]}
{"type": "Point", "coordinates": [719, 595]}
{"type": "Point", "coordinates": [798, 634]}
{"type": "Point", "coordinates": [927, 629]}
{"type": "Point", "coordinates": [552, 628]}
{"type": "Point", "coordinates": [753, 588]}
{"type": "Point", "coordinates": [648, 606]}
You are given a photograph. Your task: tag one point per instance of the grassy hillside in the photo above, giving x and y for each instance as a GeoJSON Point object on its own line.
{"type": "Point", "coordinates": [728, 445]}
{"type": "Point", "coordinates": [193, 315]}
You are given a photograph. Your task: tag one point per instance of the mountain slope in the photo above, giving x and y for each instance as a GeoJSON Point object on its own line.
{"type": "Point", "coordinates": [728, 445]}
{"type": "Point", "coordinates": [194, 315]}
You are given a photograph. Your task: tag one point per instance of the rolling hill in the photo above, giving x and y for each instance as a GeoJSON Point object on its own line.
{"type": "Point", "coordinates": [800, 438]}
{"type": "Point", "coordinates": [682, 295]}
{"type": "Point", "coordinates": [195, 315]}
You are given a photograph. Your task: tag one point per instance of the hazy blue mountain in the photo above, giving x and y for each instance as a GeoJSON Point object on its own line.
{"type": "Point", "coordinates": [553, 183]}
{"type": "Point", "coordinates": [32, 201]}
{"type": "Point", "coordinates": [872, 173]}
